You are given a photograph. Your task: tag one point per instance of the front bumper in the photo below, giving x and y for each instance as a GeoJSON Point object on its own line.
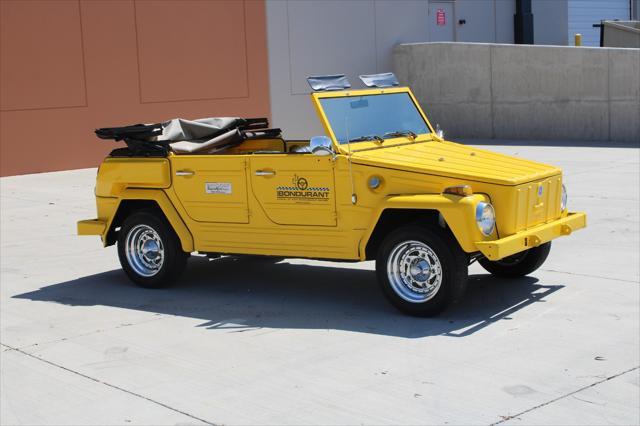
{"type": "Point", "coordinates": [533, 237]}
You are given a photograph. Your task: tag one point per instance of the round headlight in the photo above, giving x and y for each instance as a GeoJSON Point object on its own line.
{"type": "Point", "coordinates": [485, 218]}
{"type": "Point", "coordinates": [563, 200]}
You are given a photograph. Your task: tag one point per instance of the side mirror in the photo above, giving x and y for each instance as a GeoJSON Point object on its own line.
{"type": "Point", "coordinates": [439, 131]}
{"type": "Point", "coordinates": [321, 145]}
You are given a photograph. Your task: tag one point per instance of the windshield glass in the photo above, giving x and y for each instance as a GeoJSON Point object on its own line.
{"type": "Point", "coordinates": [371, 117]}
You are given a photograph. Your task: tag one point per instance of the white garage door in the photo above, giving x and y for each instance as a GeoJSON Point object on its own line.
{"type": "Point", "coordinates": [584, 13]}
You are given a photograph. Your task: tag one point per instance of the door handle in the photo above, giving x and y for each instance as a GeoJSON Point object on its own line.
{"type": "Point", "coordinates": [185, 173]}
{"type": "Point", "coordinates": [265, 173]}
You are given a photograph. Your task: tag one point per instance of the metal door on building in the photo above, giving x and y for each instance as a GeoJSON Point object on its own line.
{"type": "Point", "coordinates": [441, 21]}
{"type": "Point", "coordinates": [583, 14]}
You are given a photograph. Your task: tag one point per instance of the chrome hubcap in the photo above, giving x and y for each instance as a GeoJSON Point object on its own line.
{"type": "Point", "coordinates": [144, 250]}
{"type": "Point", "coordinates": [414, 271]}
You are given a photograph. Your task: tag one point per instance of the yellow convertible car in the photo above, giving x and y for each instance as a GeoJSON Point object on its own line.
{"type": "Point", "coordinates": [381, 184]}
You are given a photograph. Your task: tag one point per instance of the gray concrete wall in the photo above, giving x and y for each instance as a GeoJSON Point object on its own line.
{"type": "Point", "coordinates": [525, 92]}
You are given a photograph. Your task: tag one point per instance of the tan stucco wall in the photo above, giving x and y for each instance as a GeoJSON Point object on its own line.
{"type": "Point", "coordinates": [68, 67]}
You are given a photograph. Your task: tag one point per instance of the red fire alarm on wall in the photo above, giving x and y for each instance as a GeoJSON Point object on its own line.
{"type": "Point", "coordinates": [440, 17]}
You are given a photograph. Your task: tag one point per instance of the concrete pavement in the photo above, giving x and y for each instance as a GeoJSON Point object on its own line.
{"type": "Point", "coordinates": [309, 342]}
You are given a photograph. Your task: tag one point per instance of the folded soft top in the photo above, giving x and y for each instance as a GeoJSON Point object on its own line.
{"type": "Point", "coordinates": [204, 135]}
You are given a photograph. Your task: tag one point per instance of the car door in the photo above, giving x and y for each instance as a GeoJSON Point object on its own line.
{"type": "Point", "coordinates": [295, 189]}
{"type": "Point", "coordinates": [212, 188]}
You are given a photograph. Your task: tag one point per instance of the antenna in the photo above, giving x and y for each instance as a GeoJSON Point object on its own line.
{"type": "Point", "coordinates": [354, 197]}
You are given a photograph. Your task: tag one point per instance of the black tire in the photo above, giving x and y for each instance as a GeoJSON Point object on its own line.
{"type": "Point", "coordinates": [174, 259]}
{"type": "Point", "coordinates": [452, 260]}
{"type": "Point", "coordinates": [519, 264]}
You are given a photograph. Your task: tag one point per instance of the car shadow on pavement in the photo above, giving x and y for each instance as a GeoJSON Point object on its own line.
{"type": "Point", "coordinates": [237, 295]}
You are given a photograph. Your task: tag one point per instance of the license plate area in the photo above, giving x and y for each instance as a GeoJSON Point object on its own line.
{"type": "Point", "coordinates": [538, 202]}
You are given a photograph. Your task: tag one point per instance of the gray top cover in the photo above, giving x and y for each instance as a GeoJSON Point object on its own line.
{"type": "Point", "coordinates": [201, 135]}
{"type": "Point", "coordinates": [180, 129]}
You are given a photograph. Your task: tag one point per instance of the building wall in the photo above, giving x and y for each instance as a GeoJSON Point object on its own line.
{"type": "Point", "coordinates": [584, 13]}
{"type": "Point", "coordinates": [486, 21]}
{"type": "Point", "coordinates": [69, 66]}
{"type": "Point", "coordinates": [504, 21]}
{"type": "Point", "coordinates": [357, 37]}
{"type": "Point", "coordinates": [550, 22]}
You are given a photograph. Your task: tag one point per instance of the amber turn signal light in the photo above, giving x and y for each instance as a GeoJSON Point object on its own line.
{"type": "Point", "coordinates": [461, 190]}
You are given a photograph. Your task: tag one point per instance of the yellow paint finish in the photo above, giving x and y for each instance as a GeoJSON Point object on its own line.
{"type": "Point", "coordinates": [106, 207]}
{"type": "Point", "coordinates": [455, 210]}
{"type": "Point", "coordinates": [117, 173]}
{"type": "Point", "coordinates": [253, 145]}
{"type": "Point", "coordinates": [521, 207]}
{"type": "Point", "coordinates": [263, 236]}
{"type": "Point", "coordinates": [294, 191]}
{"type": "Point", "coordinates": [311, 231]}
{"type": "Point", "coordinates": [456, 161]}
{"type": "Point", "coordinates": [167, 207]}
{"type": "Point", "coordinates": [302, 205]}
{"type": "Point", "coordinates": [91, 227]}
{"type": "Point", "coordinates": [504, 247]}
{"type": "Point", "coordinates": [213, 171]}
{"type": "Point", "coordinates": [427, 188]}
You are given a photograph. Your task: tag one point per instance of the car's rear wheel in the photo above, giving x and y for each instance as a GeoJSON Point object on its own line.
{"type": "Point", "coordinates": [149, 250]}
{"type": "Point", "coordinates": [421, 271]}
{"type": "Point", "coordinates": [518, 265]}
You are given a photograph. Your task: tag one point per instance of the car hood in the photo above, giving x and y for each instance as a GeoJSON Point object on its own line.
{"type": "Point", "coordinates": [455, 160]}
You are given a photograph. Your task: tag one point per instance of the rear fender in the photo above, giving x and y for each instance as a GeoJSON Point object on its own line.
{"type": "Point", "coordinates": [160, 198]}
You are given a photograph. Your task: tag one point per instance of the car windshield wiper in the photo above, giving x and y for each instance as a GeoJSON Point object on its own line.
{"type": "Point", "coordinates": [407, 133]}
{"type": "Point", "coordinates": [367, 138]}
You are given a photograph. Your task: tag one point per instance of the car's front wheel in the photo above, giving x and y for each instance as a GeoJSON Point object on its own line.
{"type": "Point", "coordinates": [149, 250]}
{"type": "Point", "coordinates": [519, 264]}
{"type": "Point", "coordinates": [421, 271]}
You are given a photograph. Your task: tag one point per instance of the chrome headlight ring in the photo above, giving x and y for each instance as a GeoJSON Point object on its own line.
{"type": "Point", "coordinates": [485, 218]}
{"type": "Point", "coordinates": [563, 199]}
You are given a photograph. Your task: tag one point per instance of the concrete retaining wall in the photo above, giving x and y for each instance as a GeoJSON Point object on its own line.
{"type": "Point", "coordinates": [477, 90]}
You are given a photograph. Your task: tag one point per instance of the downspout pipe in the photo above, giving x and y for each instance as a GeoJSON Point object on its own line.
{"type": "Point", "coordinates": [523, 23]}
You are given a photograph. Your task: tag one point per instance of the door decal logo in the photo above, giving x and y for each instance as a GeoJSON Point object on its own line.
{"type": "Point", "coordinates": [301, 182]}
{"type": "Point", "coordinates": [301, 191]}
{"type": "Point", "coordinates": [217, 187]}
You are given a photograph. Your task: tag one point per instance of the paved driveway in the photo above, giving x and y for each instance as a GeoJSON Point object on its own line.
{"type": "Point", "coordinates": [307, 342]}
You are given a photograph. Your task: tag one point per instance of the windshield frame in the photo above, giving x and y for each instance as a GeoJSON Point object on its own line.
{"type": "Point", "coordinates": [366, 145]}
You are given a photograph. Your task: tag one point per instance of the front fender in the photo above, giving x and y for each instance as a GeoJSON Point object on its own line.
{"type": "Point", "coordinates": [157, 195]}
{"type": "Point", "coordinates": [458, 212]}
